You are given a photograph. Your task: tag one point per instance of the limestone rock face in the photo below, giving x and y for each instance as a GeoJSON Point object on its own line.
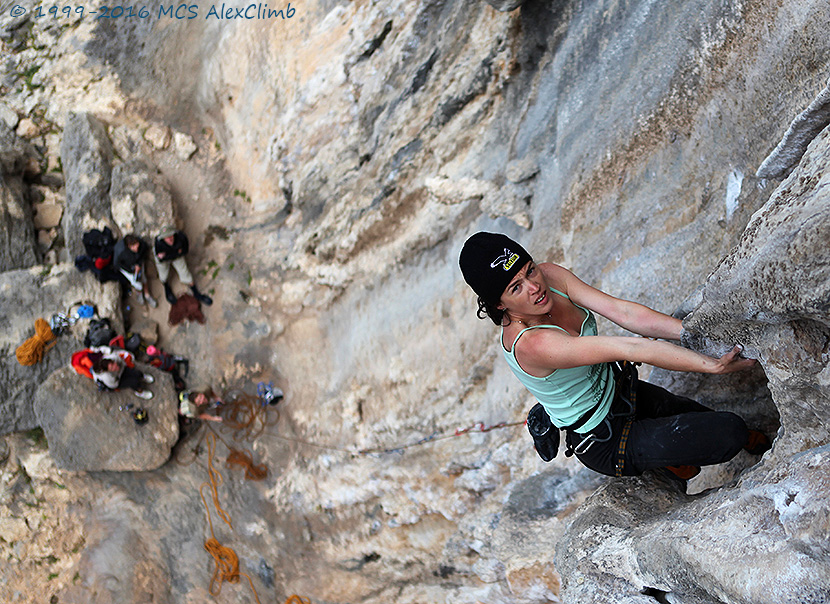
{"type": "Point", "coordinates": [773, 293]}
{"type": "Point", "coordinates": [91, 430]}
{"type": "Point", "coordinates": [140, 199]}
{"type": "Point", "coordinates": [40, 292]}
{"type": "Point", "coordinates": [342, 156]}
{"type": "Point", "coordinates": [86, 155]}
{"type": "Point", "coordinates": [17, 249]}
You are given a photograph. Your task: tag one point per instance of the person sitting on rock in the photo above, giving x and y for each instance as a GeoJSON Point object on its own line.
{"type": "Point", "coordinates": [114, 370]}
{"type": "Point", "coordinates": [171, 246]}
{"type": "Point", "coordinates": [195, 405]}
{"type": "Point", "coordinates": [128, 258]}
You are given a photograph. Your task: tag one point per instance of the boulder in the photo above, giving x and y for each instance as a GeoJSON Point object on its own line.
{"type": "Point", "coordinates": [30, 294]}
{"type": "Point", "coordinates": [140, 198]}
{"type": "Point", "coordinates": [16, 231]}
{"type": "Point", "coordinates": [86, 155]}
{"type": "Point", "coordinates": [90, 430]}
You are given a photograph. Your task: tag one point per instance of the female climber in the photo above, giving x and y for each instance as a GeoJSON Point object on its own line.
{"type": "Point", "coordinates": [549, 339]}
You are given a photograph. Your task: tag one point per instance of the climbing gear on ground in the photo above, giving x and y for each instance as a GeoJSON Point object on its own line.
{"type": "Point", "coordinates": [545, 435]}
{"type": "Point", "coordinates": [60, 323]}
{"type": "Point", "coordinates": [204, 299]}
{"type": "Point", "coordinates": [252, 470]}
{"type": "Point", "coordinates": [226, 560]}
{"type": "Point", "coordinates": [31, 351]}
{"type": "Point", "coordinates": [757, 443]}
{"type": "Point", "coordinates": [133, 342]}
{"type": "Point", "coordinates": [268, 394]}
{"type": "Point", "coordinates": [140, 416]}
{"type": "Point", "coordinates": [99, 333]}
{"type": "Point", "coordinates": [99, 247]}
{"type": "Point", "coordinates": [85, 311]}
{"type": "Point", "coordinates": [168, 293]}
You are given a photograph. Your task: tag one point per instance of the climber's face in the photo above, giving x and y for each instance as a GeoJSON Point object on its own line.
{"type": "Point", "coordinates": [170, 240]}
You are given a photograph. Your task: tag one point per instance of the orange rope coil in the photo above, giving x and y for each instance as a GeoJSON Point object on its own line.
{"type": "Point", "coordinates": [31, 351]}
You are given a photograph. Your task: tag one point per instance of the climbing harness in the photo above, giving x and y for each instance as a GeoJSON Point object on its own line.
{"type": "Point", "coordinates": [625, 375]}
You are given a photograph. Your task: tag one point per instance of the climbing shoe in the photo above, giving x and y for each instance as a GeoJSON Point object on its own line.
{"type": "Point", "coordinates": [206, 300]}
{"type": "Point", "coordinates": [757, 443]}
{"type": "Point", "coordinates": [148, 379]}
{"type": "Point", "coordinates": [145, 394]}
{"type": "Point", "coordinates": [168, 293]}
{"type": "Point", "coordinates": [684, 472]}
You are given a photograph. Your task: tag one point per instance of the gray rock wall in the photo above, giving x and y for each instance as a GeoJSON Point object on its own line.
{"type": "Point", "coordinates": [38, 293]}
{"type": "Point", "coordinates": [343, 157]}
{"type": "Point", "coordinates": [17, 240]}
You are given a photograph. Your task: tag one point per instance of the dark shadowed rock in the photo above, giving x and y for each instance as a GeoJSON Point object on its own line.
{"type": "Point", "coordinates": [17, 236]}
{"type": "Point", "coordinates": [92, 430]}
{"type": "Point", "coordinates": [27, 295]}
{"type": "Point", "coordinates": [505, 6]}
{"type": "Point", "coordinates": [86, 155]}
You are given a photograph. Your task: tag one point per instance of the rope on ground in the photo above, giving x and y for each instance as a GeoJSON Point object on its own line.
{"type": "Point", "coordinates": [295, 599]}
{"type": "Point", "coordinates": [31, 351]}
{"type": "Point", "coordinates": [226, 561]}
{"type": "Point", "coordinates": [245, 415]}
{"type": "Point", "coordinates": [252, 471]}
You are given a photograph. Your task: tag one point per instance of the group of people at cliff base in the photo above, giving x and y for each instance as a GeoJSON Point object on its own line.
{"type": "Point", "coordinates": [109, 360]}
{"type": "Point", "coordinates": [112, 366]}
{"type": "Point", "coordinates": [124, 261]}
{"type": "Point", "coordinates": [615, 424]}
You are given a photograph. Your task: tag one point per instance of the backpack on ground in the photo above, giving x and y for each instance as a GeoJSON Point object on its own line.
{"type": "Point", "coordinates": [100, 333]}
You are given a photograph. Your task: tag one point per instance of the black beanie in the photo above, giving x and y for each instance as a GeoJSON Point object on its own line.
{"type": "Point", "coordinates": [489, 261]}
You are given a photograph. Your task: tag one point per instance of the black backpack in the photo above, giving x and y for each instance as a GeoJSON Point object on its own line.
{"type": "Point", "coordinates": [100, 333]}
{"type": "Point", "coordinates": [99, 244]}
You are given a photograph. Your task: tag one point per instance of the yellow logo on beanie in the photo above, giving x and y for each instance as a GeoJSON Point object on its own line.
{"type": "Point", "coordinates": [507, 260]}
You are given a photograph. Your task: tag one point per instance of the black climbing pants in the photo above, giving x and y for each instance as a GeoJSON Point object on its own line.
{"type": "Point", "coordinates": [131, 378]}
{"type": "Point", "coordinates": [667, 430]}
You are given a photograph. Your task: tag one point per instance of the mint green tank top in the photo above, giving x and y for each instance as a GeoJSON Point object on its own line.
{"type": "Point", "coordinates": [567, 394]}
